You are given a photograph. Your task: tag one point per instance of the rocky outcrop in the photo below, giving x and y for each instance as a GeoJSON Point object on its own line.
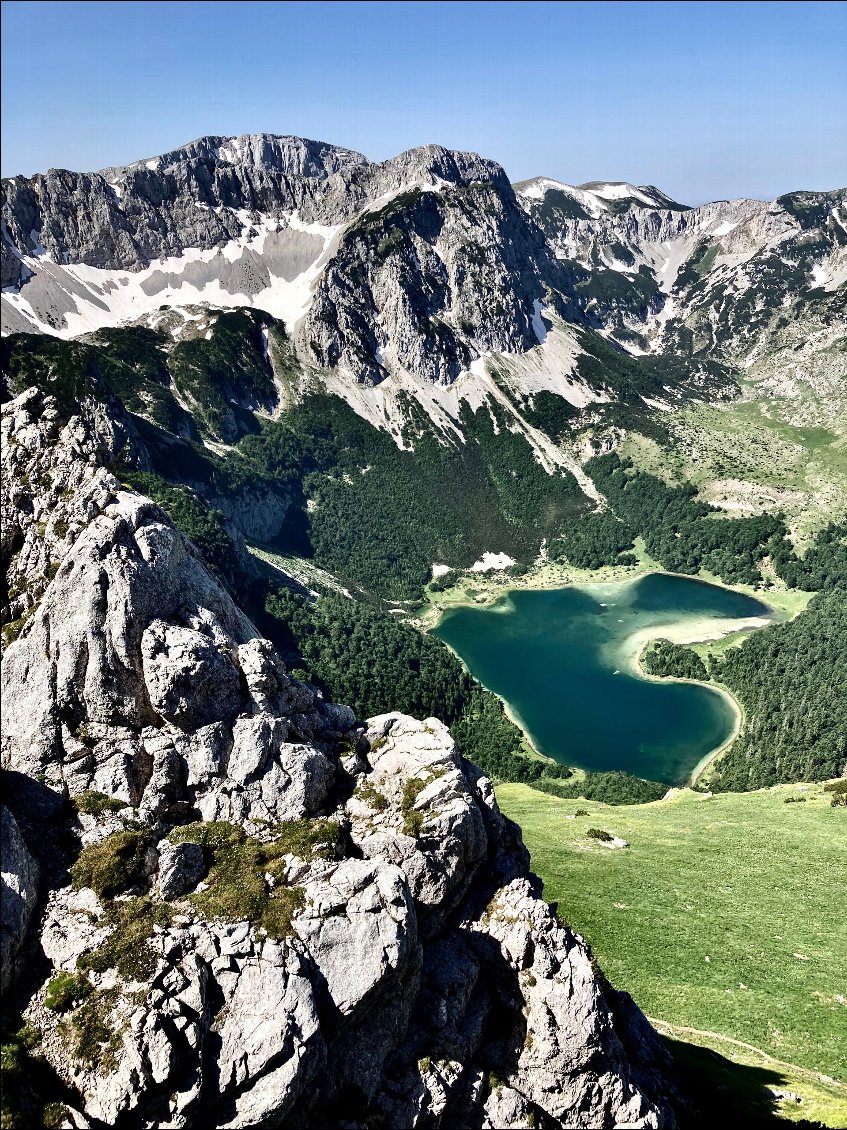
{"type": "Point", "coordinates": [54, 486]}
{"type": "Point", "coordinates": [258, 913]}
{"type": "Point", "coordinates": [429, 282]}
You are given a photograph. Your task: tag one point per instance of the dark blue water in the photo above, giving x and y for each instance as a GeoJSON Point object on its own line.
{"type": "Point", "coordinates": [564, 661]}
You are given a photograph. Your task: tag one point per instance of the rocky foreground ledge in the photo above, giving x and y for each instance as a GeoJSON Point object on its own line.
{"type": "Point", "coordinates": [227, 904]}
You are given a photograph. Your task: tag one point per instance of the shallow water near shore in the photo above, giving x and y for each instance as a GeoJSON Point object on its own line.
{"type": "Point", "coordinates": [566, 663]}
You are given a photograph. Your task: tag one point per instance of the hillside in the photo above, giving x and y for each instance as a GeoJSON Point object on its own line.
{"type": "Point", "coordinates": [710, 920]}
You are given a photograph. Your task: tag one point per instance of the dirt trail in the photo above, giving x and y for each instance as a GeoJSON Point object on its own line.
{"type": "Point", "coordinates": [675, 1029]}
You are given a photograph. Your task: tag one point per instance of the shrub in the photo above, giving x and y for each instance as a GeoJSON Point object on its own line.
{"type": "Point", "coordinates": [307, 839]}
{"type": "Point", "coordinates": [127, 948]}
{"type": "Point", "coordinates": [88, 1034]}
{"type": "Point", "coordinates": [27, 1081]}
{"type": "Point", "coordinates": [372, 797]}
{"type": "Point", "coordinates": [412, 820]}
{"type": "Point", "coordinates": [239, 865]}
{"type": "Point", "coordinates": [413, 824]}
{"type": "Point", "coordinates": [599, 834]}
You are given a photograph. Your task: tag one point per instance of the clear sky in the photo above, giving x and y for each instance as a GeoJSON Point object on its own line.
{"type": "Point", "coordinates": [705, 100]}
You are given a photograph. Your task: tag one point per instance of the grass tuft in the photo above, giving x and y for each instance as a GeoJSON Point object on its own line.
{"type": "Point", "coordinates": [246, 879]}
{"type": "Point", "coordinates": [113, 865]}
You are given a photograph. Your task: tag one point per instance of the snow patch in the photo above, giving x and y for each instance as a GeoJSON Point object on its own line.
{"type": "Point", "coordinates": [620, 190]}
{"type": "Point", "coordinates": [440, 570]}
{"type": "Point", "coordinates": [109, 297]}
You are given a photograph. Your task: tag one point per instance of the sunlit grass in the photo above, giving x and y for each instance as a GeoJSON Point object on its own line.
{"type": "Point", "coordinates": [724, 914]}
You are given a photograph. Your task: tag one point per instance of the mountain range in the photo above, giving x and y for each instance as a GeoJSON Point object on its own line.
{"type": "Point", "coordinates": [261, 397]}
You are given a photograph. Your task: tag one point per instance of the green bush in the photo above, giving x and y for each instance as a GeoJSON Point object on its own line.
{"type": "Point", "coordinates": [412, 819]}
{"type": "Point", "coordinates": [371, 796]}
{"type": "Point", "coordinates": [91, 1036]}
{"type": "Point", "coordinates": [27, 1083]}
{"type": "Point", "coordinates": [93, 803]}
{"type": "Point", "coordinates": [127, 948]}
{"type": "Point", "coordinates": [238, 888]}
{"type": "Point", "coordinates": [599, 834]}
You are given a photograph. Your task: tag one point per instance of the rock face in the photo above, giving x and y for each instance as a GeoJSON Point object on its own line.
{"type": "Point", "coordinates": [18, 896]}
{"type": "Point", "coordinates": [417, 265]}
{"type": "Point", "coordinates": [728, 280]}
{"type": "Point", "coordinates": [272, 916]}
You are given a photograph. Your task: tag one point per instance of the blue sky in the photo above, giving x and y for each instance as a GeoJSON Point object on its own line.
{"type": "Point", "coordinates": [706, 100]}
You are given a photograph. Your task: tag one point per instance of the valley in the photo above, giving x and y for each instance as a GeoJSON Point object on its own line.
{"type": "Point", "coordinates": [313, 418]}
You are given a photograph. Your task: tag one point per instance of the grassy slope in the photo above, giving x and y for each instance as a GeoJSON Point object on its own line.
{"type": "Point", "coordinates": [743, 879]}
{"type": "Point", "coordinates": [756, 441]}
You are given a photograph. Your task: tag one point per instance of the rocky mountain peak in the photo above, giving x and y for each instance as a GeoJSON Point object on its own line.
{"type": "Point", "coordinates": [279, 153]}
{"type": "Point", "coordinates": [411, 273]}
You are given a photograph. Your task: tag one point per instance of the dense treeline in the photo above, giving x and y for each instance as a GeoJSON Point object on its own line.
{"type": "Point", "coordinates": [686, 535]}
{"type": "Point", "coordinates": [595, 540]}
{"type": "Point", "coordinates": [792, 681]}
{"type": "Point", "coordinates": [224, 375]}
{"type": "Point", "coordinates": [823, 566]}
{"type": "Point", "coordinates": [614, 787]}
{"type": "Point", "coordinates": [681, 533]}
{"type": "Point", "coordinates": [485, 736]}
{"type": "Point", "coordinates": [672, 660]}
{"type": "Point", "coordinates": [380, 517]}
{"type": "Point", "coordinates": [363, 657]}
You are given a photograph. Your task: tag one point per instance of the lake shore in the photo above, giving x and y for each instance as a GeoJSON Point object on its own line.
{"type": "Point", "coordinates": [688, 634]}
{"type": "Point", "coordinates": [702, 631]}
{"type": "Point", "coordinates": [479, 590]}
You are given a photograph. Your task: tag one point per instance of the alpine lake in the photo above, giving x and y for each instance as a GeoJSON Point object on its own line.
{"type": "Point", "coordinates": [565, 662]}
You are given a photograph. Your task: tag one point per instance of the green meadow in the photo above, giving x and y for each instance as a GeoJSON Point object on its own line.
{"type": "Point", "coordinates": [724, 918]}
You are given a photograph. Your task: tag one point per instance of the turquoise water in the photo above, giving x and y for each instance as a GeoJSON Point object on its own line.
{"type": "Point", "coordinates": [564, 661]}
